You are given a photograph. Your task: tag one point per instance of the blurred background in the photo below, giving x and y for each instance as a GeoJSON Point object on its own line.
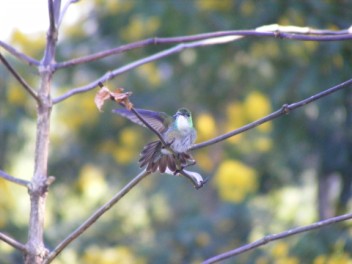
{"type": "Point", "coordinates": [286, 173]}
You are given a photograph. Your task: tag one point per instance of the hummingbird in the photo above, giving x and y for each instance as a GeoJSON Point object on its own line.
{"type": "Point", "coordinates": [178, 133]}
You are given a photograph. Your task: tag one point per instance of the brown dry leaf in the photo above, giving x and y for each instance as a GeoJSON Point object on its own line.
{"type": "Point", "coordinates": [121, 97]}
{"type": "Point", "coordinates": [102, 95]}
{"type": "Point", "coordinates": [118, 96]}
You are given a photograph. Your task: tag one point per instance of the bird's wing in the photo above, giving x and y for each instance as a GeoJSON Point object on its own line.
{"type": "Point", "coordinates": [157, 120]}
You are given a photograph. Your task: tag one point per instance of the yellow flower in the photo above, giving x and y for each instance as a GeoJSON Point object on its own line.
{"type": "Point", "coordinates": [206, 127]}
{"type": "Point", "coordinates": [151, 73]}
{"type": "Point", "coordinates": [257, 106]}
{"type": "Point", "coordinates": [140, 27]}
{"type": "Point", "coordinates": [262, 144]}
{"type": "Point", "coordinates": [235, 181]}
{"type": "Point", "coordinates": [92, 183]}
{"type": "Point", "coordinates": [204, 161]}
{"type": "Point", "coordinates": [120, 254]}
{"type": "Point", "coordinates": [280, 250]}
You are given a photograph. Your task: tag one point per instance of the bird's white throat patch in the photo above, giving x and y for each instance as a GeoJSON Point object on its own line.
{"type": "Point", "coordinates": [182, 123]}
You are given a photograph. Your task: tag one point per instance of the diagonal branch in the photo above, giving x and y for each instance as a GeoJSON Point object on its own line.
{"type": "Point", "coordinates": [270, 238]}
{"type": "Point", "coordinates": [112, 74]}
{"type": "Point", "coordinates": [285, 109]}
{"type": "Point", "coordinates": [206, 39]}
{"type": "Point", "coordinates": [274, 30]}
{"type": "Point", "coordinates": [10, 178]}
{"type": "Point", "coordinates": [24, 84]}
{"type": "Point", "coordinates": [19, 55]}
{"type": "Point", "coordinates": [12, 242]}
{"type": "Point", "coordinates": [95, 216]}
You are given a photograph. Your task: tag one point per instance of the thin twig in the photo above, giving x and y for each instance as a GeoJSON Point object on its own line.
{"type": "Point", "coordinates": [48, 60]}
{"type": "Point", "coordinates": [112, 74]}
{"type": "Point", "coordinates": [24, 84]}
{"type": "Point", "coordinates": [10, 178]}
{"type": "Point", "coordinates": [57, 11]}
{"type": "Point", "coordinates": [95, 216]}
{"type": "Point", "coordinates": [284, 32]}
{"type": "Point", "coordinates": [278, 236]}
{"type": "Point", "coordinates": [13, 242]}
{"type": "Point", "coordinates": [285, 109]}
{"type": "Point", "coordinates": [64, 10]}
{"type": "Point", "coordinates": [19, 55]}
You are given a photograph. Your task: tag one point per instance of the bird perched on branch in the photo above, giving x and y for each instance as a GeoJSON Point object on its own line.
{"type": "Point", "coordinates": [177, 132]}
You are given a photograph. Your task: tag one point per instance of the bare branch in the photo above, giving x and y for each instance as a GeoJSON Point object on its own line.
{"type": "Point", "coordinates": [270, 238]}
{"type": "Point", "coordinates": [106, 53]}
{"type": "Point", "coordinates": [19, 55]}
{"type": "Point", "coordinates": [112, 74]}
{"type": "Point", "coordinates": [52, 24]}
{"type": "Point", "coordinates": [57, 11]}
{"type": "Point", "coordinates": [10, 178]}
{"type": "Point", "coordinates": [94, 217]}
{"type": "Point", "coordinates": [39, 182]}
{"type": "Point", "coordinates": [284, 32]}
{"type": "Point", "coordinates": [64, 10]}
{"type": "Point", "coordinates": [12, 242]}
{"type": "Point", "coordinates": [52, 34]}
{"type": "Point", "coordinates": [24, 84]}
{"type": "Point", "coordinates": [285, 109]}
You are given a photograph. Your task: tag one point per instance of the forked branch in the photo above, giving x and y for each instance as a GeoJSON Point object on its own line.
{"type": "Point", "coordinates": [112, 74]}
{"type": "Point", "coordinates": [206, 39]}
{"type": "Point", "coordinates": [274, 30]}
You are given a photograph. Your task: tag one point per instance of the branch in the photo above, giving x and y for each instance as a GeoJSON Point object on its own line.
{"type": "Point", "coordinates": [52, 24]}
{"type": "Point", "coordinates": [284, 32]}
{"type": "Point", "coordinates": [19, 55]}
{"type": "Point", "coordinates": [57, 9]}
{"type": "Point", "coordinates": [285, 109]}
{"type": "Point", "coordinates": [24, 84]}
{"type": "Point", "coordinates": [94, 217]}
{"type": "Point", "coordinates": [48, 59]}
{"type": "Point", "coordinates": [64, 10]}
{"type": "Point", "coordinates": [10, 178]}
{"type": "Point", "coordinates": [278, 236]}
{"type": "Point", "coordinates": [112, 74]}
{"type": "Point", "coordinates": [12, 242]}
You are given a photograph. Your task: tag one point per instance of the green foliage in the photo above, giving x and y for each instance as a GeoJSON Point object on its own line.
{"type": "Point", "coordinates": [164, 220]}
